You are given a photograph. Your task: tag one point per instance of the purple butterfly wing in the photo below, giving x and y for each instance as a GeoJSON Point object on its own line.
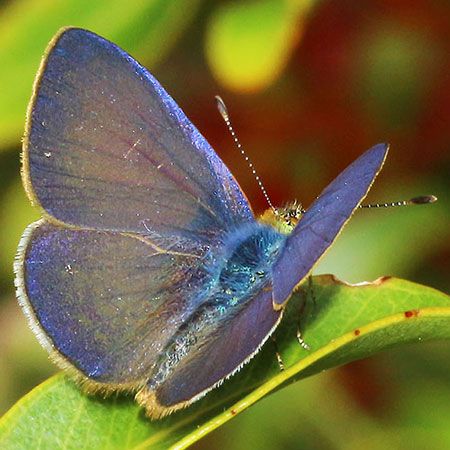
{"type": "Point", "coordinates": [323, 221]}
{"type": "Point", "coordinates": [218, 355]}
{"type": "Point", "coordinates": [107, 148]}
{"type": "Point", "coordinates": [104, 302]}
{"type": "Point", "coordinates": [214, 359]}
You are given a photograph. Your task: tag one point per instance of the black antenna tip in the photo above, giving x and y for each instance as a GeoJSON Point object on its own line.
{"type": "Point", "coordinates": [423, 200]}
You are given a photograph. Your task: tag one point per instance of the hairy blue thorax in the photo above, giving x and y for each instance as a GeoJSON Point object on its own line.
{"type": "Point", "coordinates": [245, 264]}
{"type": "Point", "coordinates": [245, 261]}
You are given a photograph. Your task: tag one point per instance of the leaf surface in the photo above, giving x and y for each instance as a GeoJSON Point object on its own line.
{"type": "Point", "coordinates": [340, 323]}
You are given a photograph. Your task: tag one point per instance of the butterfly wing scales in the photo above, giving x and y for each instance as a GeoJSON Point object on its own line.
{"type": "Point", "coordinates": [107, 148]}
{"type": "Point", "coordinates": [245, 332]}
{"type": "Point", "coordinates": [133, 197]}
{"type": "Point", "coordinates": [106, 302]}
{"type": "Point", "coordinates": [323, 221]}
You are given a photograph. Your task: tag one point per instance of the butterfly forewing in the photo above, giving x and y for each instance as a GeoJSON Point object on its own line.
{"type": "Point", "coordinates": [107, 148]}
{"type": "Point", "coordinates": [323, 221]}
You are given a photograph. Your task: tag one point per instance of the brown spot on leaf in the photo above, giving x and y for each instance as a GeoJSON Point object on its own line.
{"type": "Point", "coordinates": [411, 313]}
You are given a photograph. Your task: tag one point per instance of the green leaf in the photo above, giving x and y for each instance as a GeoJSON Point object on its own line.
{"type": "Point", "coordinates": [249, 43]}
{"type": "Point", "coordinates": [341, 324]}
{"type": "Point", "coordinates": [146, 29]}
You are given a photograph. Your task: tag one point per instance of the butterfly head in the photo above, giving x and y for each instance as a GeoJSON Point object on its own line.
{"type": "Point", "coordinates": [284, 219]}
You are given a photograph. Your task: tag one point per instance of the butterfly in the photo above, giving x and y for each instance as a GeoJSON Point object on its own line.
{"type": "Point", "coordinates": [148, 271]}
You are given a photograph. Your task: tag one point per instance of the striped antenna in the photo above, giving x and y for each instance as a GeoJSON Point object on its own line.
{"type": "Point", "coordinates": [422, 200]}
{"type": "Point", "coordinates": [226, 117]}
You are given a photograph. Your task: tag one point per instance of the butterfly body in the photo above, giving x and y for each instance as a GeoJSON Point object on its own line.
{"type": "Point", "coordinates": [148, 271]}
{"type": "Point", "coordinates": [234, 274]}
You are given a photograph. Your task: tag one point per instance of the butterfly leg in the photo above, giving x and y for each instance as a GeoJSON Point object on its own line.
{"type": "Point", "coordinates": [277, 353]}
{"type": "Point", "coordinates": [309, 293]}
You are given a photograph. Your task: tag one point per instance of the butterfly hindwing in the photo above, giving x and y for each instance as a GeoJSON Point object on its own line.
{"type": "Point", "coordinates": [107, 303]}
{"type": "Point", "coordinates": [218, 356]}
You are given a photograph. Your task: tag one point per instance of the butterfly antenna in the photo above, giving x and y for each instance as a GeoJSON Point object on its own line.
{"type": "Point", "coordinates": [226, 117]}
{"type": "Point", "coordinates": [422, 200]}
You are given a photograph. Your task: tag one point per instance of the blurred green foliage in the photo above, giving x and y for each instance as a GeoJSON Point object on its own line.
{"type": "Point", "coordinates": [26, 26]}
{"type": "Point", "coordinates": [310, 85]}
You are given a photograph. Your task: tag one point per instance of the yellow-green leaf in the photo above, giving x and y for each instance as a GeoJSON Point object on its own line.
{"type": "Point", "coordinates": [342, 324]}
{"type": "Point", "coordinates": [249, 43]}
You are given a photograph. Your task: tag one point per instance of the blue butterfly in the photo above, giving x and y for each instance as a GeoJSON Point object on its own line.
{"type": "Point", "coordinates": [148, 271]}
